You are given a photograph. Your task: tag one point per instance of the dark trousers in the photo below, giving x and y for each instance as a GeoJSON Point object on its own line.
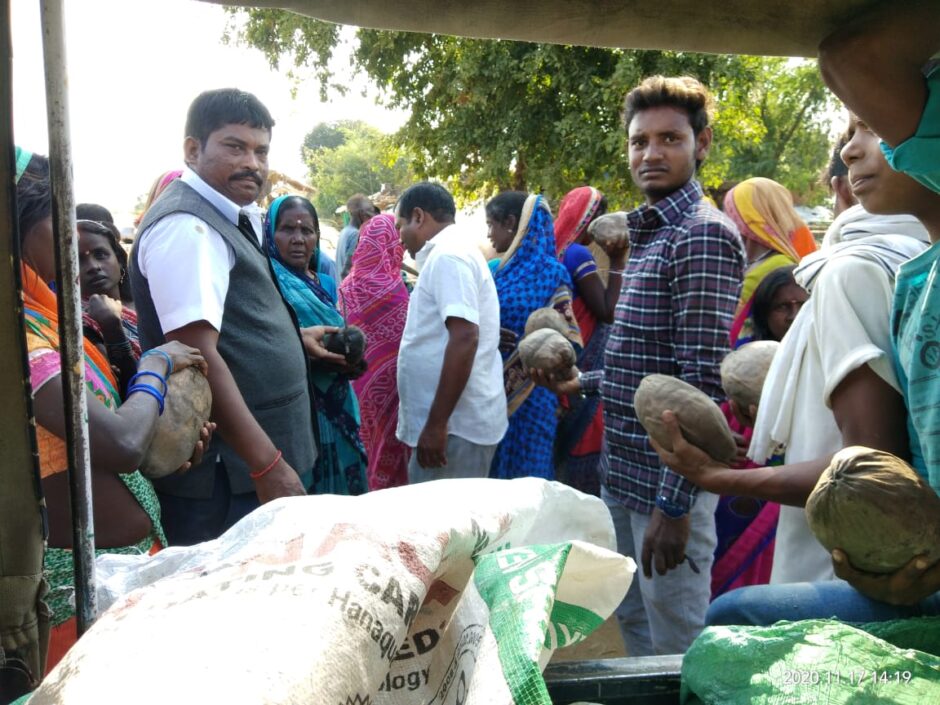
{"type": "Point", "coordinates": [188, 520]}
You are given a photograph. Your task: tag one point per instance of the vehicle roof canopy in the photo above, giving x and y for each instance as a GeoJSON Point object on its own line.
{"type": "Point", "coordinates": [762, 27]}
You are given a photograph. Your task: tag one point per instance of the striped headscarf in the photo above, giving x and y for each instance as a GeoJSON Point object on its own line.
{"type": "Point", "coordinates": [763, 211]}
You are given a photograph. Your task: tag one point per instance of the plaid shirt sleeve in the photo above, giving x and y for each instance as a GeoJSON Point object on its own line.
{"type": "Point", "coordinates": [707, 270]}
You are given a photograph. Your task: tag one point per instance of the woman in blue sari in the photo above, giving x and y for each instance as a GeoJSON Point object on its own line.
{"type": "Point", "coordinates": [292, 231]}
{"type": "Point", "coordinates": [528, 276]}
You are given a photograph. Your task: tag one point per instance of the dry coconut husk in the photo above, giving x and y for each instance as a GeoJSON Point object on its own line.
{"type": "Point", "coordinates": [610, 230]}
{"type": "Point", "coordinates": [744, 370]}
{"type": "Point", "coordinates": [185, 412]}
{"type": "Point", "coordinates": [547, 349]}
{"type": "Point", "coordinates": [876, 508]}
{"type": "Point", "coordinates": [701, 421]}
{"type": "Point", "coordinates": [546, 317]}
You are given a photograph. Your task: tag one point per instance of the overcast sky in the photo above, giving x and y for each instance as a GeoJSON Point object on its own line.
{"type": "Point", "coordinates": [134, 67]}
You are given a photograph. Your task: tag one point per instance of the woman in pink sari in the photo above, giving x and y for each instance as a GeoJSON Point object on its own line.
{"type": "Point", "coordinates": [374, 298]}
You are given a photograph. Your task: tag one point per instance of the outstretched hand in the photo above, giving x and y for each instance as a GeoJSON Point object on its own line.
{"type": "Point", "coordinates": [691, 462]}
{"type": "Point", "coordinates": [906, 586]}
{"type": "Point", "coordinates": [312, 337]}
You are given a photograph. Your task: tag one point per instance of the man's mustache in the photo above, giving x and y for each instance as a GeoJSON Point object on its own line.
{"type": "Point", "coordinates": [247, 175]}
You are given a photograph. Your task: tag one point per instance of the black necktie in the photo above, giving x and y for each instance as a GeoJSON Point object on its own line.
{"type": "Point", "coordinates": [247, 229]}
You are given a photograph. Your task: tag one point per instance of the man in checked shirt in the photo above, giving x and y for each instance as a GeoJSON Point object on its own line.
{"type": "Point", "coordinates": [680, 289]}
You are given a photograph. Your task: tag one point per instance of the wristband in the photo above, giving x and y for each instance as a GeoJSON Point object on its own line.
{"type": "Point", "coordinates": [147, 389]}
{"type": "Point", "coordinates": [670, 508]}
{"type": "Point", "coordinates": [169, 360]}
{"type": "Point", "coordinates": [148, 373]}
{"type": "Point", "coordinates": [261, 473]}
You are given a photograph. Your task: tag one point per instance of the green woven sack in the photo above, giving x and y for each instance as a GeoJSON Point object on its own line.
{"type": "Point", "coordinates": [820, 661]}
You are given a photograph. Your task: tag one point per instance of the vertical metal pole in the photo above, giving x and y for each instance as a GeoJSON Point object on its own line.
{"type": "Point", "coordinates": [70, 312]}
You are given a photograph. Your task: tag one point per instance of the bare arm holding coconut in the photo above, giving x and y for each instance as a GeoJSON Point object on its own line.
{"type": "Point", "coordinates": [868, 411]}
{"type": "Point", "coordinates": [118, 441]}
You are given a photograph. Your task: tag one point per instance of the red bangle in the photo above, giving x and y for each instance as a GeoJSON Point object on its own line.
{"type": "Point", "coordinates": [261, 473]}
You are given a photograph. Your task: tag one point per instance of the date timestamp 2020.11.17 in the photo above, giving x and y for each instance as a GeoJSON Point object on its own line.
{"type": "Point", "coordinates": [851, 677]}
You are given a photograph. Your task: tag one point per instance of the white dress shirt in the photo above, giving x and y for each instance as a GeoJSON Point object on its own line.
{"type": "Point", "coordinates": [454, 281]}
{"type": "Point", "coordinates": [187, 263]}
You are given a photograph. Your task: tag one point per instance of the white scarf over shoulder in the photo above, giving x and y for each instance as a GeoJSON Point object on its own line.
{"type": "Point", "coordinates": [887, 240]}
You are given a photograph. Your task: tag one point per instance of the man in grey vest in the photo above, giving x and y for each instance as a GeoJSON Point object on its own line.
{"type": "Point", "coordinates": [199, 275]}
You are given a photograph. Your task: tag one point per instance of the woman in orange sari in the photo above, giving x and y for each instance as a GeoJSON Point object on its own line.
{"type": "Point", "coordinates": [125, 508]}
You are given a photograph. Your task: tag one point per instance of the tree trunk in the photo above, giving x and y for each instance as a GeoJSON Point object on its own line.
{"type": "Point", "coordinates": [519, 174]}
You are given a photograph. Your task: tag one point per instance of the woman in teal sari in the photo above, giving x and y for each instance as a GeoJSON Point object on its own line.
{"type": "Point", "coordinates": [292, 231]}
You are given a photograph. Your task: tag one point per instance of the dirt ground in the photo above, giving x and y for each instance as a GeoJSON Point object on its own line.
{"type": "Point", "coordinates": [605, 642]}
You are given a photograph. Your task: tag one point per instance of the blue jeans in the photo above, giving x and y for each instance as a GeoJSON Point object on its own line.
{"type": "Point", "coordinates": [763, 605]}
{"type": "Point", "coordinates": [187, 520]}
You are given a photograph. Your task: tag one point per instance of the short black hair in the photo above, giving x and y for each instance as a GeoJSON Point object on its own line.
{"type": "Point", "coordinates": [212, 110]}
{"type": "Point", "coordinates": [93, 211]}
{"type": "Point", "coordinates": [298, 202]}
{"type": "Point", "coordinates": [836, 166]}
{"type": "Point", "coordinates": [764, 296]}
{"type": "Point", "coordinates": [433, 199]}
{"type": "Point", "coordinates": [33, 203]}
{"type": "Point", "coordinates": [682, 92]}
{"type": "Point", "coordinates": [505, 204]}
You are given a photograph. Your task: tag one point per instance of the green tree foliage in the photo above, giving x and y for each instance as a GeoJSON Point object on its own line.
{"type": "Point", "coordinates": [492, 114]}
{"type": "Point", "coordinates": [350, 157]}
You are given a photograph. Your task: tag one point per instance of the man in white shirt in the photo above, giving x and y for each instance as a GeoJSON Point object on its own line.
{"type": "Point", "coordinates": [200, 275]}
{"type": "Point", "coordinates": [452, 409]}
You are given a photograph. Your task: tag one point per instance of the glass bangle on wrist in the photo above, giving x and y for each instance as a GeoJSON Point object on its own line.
{"type": "Point", "coordinates": [670, 508]}
{"type": "Point", "coordinates": [169, 360]}
{"type": "Point", "coordinates": [148, 389]}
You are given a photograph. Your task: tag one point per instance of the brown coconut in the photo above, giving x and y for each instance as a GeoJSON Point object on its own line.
{"type": "Point", "coordinates": [744, 370]}
{"type": "Point", "coordinates": [547, 349]}
{"type": "Point", "coordinates": [610, 230]}
{"type": "Point", "coordinates": [701, 421]}
{"type": "Point", "coordinates": [876, 508]}
{"type": "Point", "coordinates": [546, 318]}
{"type": "Point", "coordinates": [187, 407]}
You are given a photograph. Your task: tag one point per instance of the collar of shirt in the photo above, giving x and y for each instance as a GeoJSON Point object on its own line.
{"type": "Point", "coordinates": [229, 209]}
{"type": "Point", "coordinates": [448, 233]}
{"type": "Point", "coordinates": [665, 213]}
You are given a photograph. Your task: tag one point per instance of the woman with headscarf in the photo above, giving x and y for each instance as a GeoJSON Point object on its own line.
{"type": "Point", "coordinates": [581, 426]}
{"type": "Point", "coordinates": [528, 276]}
{"type": "Point", "coordinates": [292, 231]}
{"type": "Point", "coordinates": [373, 297]}
{"type": "Point", "coordinates": [125, 506]}
{"type": "Point", "coordinates": [774, 236]}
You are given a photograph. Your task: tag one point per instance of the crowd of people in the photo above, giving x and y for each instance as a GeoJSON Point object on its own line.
{"type": "Point", "coordinates": [246, 296]}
